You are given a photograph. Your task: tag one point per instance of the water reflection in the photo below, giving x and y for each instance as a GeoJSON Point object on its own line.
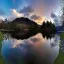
{"type": "Point", "coordinates": [33, 50]}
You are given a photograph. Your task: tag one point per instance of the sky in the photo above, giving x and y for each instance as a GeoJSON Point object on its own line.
{"type": "Point", "coordinates": [34, 9]}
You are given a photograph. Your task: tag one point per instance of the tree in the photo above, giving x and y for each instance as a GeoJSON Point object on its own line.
{"type": "Point", "coordinates": [48, 29]}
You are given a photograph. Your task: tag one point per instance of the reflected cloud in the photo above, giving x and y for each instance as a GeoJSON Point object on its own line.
{"type": "Point", "coordinates": [31, 47]}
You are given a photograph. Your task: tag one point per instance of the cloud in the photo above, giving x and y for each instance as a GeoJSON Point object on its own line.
{"type": "Point", "coordinates": [45, 7]}
{"type": "Point", "coordinates": [27, 10]}
{"type": "Point", "coordinates": [2, 12]}
{"type": "Point", "coordinates": [29, 13]}
{"type": "Point", "coordinates": [2, 18]}
{"type": "Point", "coordinates": [17, 14]}
{"type": "Point", "coordinates": [37, 19]}
{"type": "Point", "coordinates": [53, 15]}
{"type": "Point", "coordinates": [57, 19]}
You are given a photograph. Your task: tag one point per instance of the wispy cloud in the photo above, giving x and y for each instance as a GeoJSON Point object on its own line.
{"type": "Point", "coordinates": [38, 19]}
{"type": "Point", "coordinates": [2, 18]}
{"type": "Point", "coordinates": [17, 14]}
{"type": "Point", "coordinates": [30, 13]}
{"type": "Point", "coordinates": [35, 17]}
{"type": "Point", "coordinates": [27, 10]}
{"type": "Point", "coordinates": [57, 19]}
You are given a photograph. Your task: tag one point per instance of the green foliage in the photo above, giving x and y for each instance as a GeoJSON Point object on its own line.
{"type": "Point", "coordinates": [62, 36]}
{"type": "Point", "coordinates": [60, 58]}
{"type": "Point", "coordinates": [1, 38]}
{"type": "Point", "coordinates": [48, 27]}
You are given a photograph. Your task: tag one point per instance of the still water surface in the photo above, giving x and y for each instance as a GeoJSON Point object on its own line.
{"type": "Point", "coordinates": [34, 50]}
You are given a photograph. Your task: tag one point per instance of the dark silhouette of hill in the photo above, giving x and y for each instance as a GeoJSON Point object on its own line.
{"type": "Point", "coordinates": [23, 28]}
{"type": "Point", "coordinates": [24, 20]}
{"type": "Point", "coordinates": [47, 29]}
{"type": "Point", "coordinates": [22, 24]}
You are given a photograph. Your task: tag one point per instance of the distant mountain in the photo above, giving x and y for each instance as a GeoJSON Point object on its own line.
{"type": "Point", "coordinates": [22, 24]}
{"type": "Point", "coordinates": [24, 20]}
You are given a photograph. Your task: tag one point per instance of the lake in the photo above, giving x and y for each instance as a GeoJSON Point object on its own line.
{"type": "Point", "coordinates": [33, 50]}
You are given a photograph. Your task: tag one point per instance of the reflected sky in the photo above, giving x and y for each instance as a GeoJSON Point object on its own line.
{"type": "Point", "coordinates": [45, 51]}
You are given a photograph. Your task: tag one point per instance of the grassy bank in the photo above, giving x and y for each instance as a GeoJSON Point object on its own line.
{"type": "Point", "coordinates": [60, 58]}
{"type": "Point", "coordinates": [1, 38]}
{"type": "Point", "coordinates": [62, 36]}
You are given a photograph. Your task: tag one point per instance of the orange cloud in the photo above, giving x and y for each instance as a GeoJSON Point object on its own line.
{"type": "Point", "coordinates": [40, 20]}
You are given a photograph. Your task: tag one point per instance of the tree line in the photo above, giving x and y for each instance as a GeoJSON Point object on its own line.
{"type": "Point", "coordinates": [22, 29]}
